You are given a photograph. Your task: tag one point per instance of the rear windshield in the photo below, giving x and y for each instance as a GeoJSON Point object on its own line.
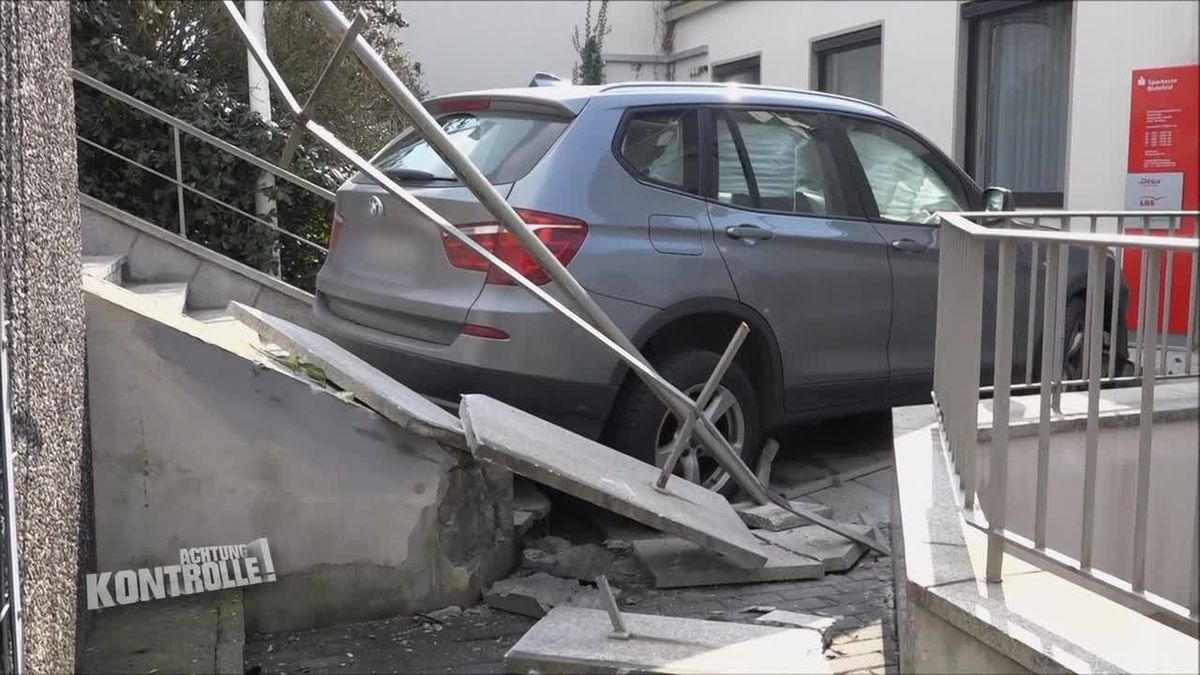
{"type": "Point", "coordinates": [504, 145]}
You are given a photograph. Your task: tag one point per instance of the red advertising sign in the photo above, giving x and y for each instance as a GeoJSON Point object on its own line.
{"type": "Point", "coordinates": [1164, 171]}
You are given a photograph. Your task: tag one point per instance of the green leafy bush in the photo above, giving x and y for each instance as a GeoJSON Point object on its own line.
{"type": "Point", "coordinates": [182, 58]}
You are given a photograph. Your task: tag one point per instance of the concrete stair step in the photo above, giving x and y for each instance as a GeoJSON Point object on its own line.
{"type": "Point", "coordinates": [106, 267]}
{"type": "Point", "coordinates": [167, 296]}
{"type": "Point", "coordinates": [220, 321]}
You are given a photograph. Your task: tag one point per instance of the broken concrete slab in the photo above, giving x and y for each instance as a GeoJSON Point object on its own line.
{"type": "Point", "coordinates": [582, 468]}
{"type": "Point", "coordinates": [538, 593]}
{"type": "Point", "coordinates": [526, 497]}
{"type": "Point", "coordinates": [836, 553]}
{"type": "Point", "coordinates": [786, 619]}
{"type": "Point", "coordinates": [522, 522]}
{"type": "Point", "coordinates": [370, 385]}
{"type": "Point", "coordinates": [677, 563]}
{"type": "Point", "coordinates": [584, 562]}
{"type": "Point", "coordinates": [575, 640]}
{"type": "Point", "coordinates": [775, 518]}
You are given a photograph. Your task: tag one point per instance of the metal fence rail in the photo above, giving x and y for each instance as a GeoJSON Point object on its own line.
{"type": "Point", "coordinates": [179, 127]}
{"type": "Point", "coordinates": [958, 363]}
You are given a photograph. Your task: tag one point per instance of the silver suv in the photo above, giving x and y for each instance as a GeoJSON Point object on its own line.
{"type": "Point", "coordinates": [683, 209]}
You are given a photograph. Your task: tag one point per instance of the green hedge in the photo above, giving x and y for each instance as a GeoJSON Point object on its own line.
{"type": "Point", "coordinates": [112, 124]}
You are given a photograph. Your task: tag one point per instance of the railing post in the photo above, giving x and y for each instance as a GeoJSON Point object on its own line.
{"type": "Point", "coordinates": [996, 492]}
{"type": "Point", "coordinates": [1152, 261]}
{"type": "Point", "coordinates": [1115, 305]}
{"type": "Point", "coordinates": [1095, 308]}
{"type": "Point", "coordinates": [179, 182]}
{"type": "Point", "coordinates": [1050, 345]}
{"type": "Point", "coordinates": [1166, 322]}
{"type": "Point", "coordinates": [1060, 319]}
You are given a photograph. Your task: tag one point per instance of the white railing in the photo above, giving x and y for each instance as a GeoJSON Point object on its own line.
{"type": "Point", "coordinates": [1065, 257]}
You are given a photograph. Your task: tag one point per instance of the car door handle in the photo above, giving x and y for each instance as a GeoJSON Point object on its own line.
{"type": "Point", "coordinates": [907, 245]}
{"type": "Point", "coordinates": [751, 233]}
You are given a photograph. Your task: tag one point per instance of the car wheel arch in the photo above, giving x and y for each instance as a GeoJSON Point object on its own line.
{"type": "Point", "coordinates": [716, 318]}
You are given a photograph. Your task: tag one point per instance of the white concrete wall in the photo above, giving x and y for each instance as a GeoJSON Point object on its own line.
{"type": "Point", "coordinates": [481, 44]}
{"type": "Point", "coordinates": [467, 45]}
{"type": "Point", "coordinates": [1110, 40]}
{"type": "Point", "coordinates": [919, 49]}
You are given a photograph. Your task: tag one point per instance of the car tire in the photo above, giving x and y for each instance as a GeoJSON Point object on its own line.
{"type": "Point", "coordinates": [1073, 342]}
{"type": "Point", "coordinates": [640, 426]}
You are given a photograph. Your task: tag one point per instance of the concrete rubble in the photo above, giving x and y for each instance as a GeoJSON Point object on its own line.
{"type": "Point", "coordinates": [676, 563]}
{"type": "Point", "coordinates": [536, 594]}
{"type": "Point", "coordinates": [582, 468]}
{"type": "Point", "coordinates": [775, 518]}
{"type": "Point", "coordinates": [835, 552]}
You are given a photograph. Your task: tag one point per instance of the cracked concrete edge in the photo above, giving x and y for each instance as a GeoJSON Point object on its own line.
{"type": "Point", "coordinates": [448, 431]}
{"type": "Point", "coordinates": [231, 634]}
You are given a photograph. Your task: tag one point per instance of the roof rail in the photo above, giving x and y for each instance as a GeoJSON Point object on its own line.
{"type": "Point", "coordinates": [758, 87]}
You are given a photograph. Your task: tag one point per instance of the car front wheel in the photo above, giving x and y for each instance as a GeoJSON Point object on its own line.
{"type": "Point", "coordinates": [642, 427]}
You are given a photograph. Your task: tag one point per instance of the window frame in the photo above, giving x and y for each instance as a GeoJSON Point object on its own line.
{"type": "Point", "coordinates": [948, 171]}
{"type": "Point", "coordinates": [714, 113]}
{"type": "Point", "coordinates": [825, 47]}
{"type": "Point", "coordinates": [619, 136]}
{"type": "Point", "coordinates": [972, 12]}
{"type": "Point", "coordinates": [737, 65]}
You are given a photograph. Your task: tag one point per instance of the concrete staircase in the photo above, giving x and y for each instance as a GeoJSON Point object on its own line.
{"type": "Point", "coordinates": [170, 298]}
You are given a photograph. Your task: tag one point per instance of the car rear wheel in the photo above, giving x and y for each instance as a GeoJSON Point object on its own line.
{"type": "Point", "coordinates": [642, 427]}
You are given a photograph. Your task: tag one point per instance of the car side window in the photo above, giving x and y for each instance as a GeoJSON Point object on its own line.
{"type": "Point", "coordinates": [662, 146]}
{"type": "Point", "coordinates": [908, 179]}
{"type": "Point", "coordinates": [776, 160]}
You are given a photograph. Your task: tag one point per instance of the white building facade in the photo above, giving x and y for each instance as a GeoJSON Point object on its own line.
{"type": "Point", "coordinates": [1031, 95]}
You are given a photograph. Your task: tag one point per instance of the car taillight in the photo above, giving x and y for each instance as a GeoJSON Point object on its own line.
{"type": "Point", "coordinates": [561, 234]}
{"type": "Point", "coordinates": [335, 229]}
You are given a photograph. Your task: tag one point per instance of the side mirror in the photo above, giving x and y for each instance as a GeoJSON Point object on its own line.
{"type": "Point", "coordinates": [998, 199]}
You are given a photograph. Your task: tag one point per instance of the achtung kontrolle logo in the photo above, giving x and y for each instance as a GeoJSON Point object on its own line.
{"type": "Point", "coordinates": [207, 568]}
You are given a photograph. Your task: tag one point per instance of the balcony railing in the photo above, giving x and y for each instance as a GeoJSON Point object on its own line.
{"type": "Point", "coordinates": [1027, 273]}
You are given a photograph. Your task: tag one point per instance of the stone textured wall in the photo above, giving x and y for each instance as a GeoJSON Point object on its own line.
{"type": "Point", "coordinates": [40, 246]}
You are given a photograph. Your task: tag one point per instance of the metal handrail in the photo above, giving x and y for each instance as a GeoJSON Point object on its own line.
{"type": "Point", "coordinates": [179, 126]}
{"type": "Point", "coordinates": [958, 363]}
{"type": "Point", "coordinates": [191, 130]}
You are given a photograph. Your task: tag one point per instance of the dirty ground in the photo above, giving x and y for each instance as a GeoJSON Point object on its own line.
{"type": "Point", "coordinates": [862, 637]}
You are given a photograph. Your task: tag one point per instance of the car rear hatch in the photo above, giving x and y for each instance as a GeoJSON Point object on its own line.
{"type": "Point", "coordinates": [387, 268]}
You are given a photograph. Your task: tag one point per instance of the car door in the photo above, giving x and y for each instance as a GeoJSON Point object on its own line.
{"type": "Point", "coordinates": [905, 182]}
{"type": "Point", "coordinates": [800, 252]}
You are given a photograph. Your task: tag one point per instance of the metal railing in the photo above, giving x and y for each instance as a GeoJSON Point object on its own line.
{"type": "Point", "coordinates": [179, 127]}
{"type": "Point", "coordinates": [1088, 263]}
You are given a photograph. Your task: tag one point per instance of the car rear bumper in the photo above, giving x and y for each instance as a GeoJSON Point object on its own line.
{"type": "Point", "coordinates": [579, 406]}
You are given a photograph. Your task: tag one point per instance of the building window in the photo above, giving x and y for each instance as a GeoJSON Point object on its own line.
{"type": "Point", "coordinates": [1017, 89]}
{"type": "Point", "coordinates": [849, 64]}
{"type": "Point", "coordinates": [744, 71]}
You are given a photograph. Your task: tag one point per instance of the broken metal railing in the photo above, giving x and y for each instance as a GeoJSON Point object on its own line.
{"type": "Point", "coordinates": [597, 324]}
{"type": "Point", "coordinates": [180, 127]}
{"type": "Point", "coordinates": [983, 478]}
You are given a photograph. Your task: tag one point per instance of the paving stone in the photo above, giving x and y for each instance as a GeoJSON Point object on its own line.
{"type": "Point", "coordinates": [850, 499]}
{"type": "Point", "coordinates": [675, 563]}
{"type": "Point", "coordinates": [549, 454]}
{"type": "Point", "coordinates": [374, 388]}
{"type": "Point", "coordinates": [835, 552]}
{"type": "Point", "coordinates": [775, 518]}
{"type": "Point", "coordinates": [570, 639]}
